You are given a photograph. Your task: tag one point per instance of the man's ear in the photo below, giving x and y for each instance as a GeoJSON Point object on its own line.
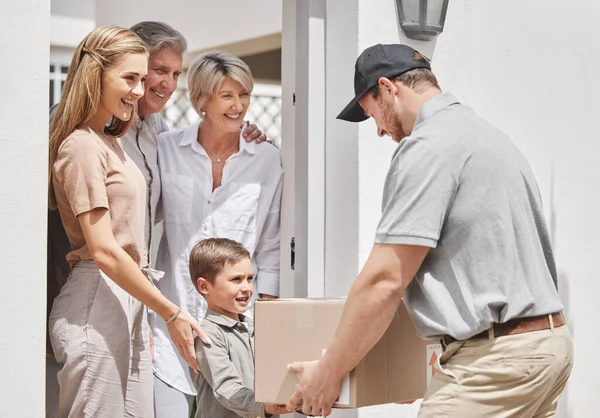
{"type": "Point", "coordinates": [387, 85]}
{"type": "Point", "coordinates": [202, 284]}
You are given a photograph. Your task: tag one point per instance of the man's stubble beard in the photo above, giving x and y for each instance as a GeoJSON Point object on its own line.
{"type": "Point", "coordinates": [392, 121]}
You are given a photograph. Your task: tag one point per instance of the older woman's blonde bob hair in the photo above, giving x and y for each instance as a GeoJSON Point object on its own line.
{"type": "Point", "coordinates": [207, 72]}
{"type": "Point", "coordinates": [101, 49]}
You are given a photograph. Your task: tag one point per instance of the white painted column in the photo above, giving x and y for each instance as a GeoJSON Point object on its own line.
{"type": "Point", "coordinates": [288, 144]}
{"type": "Point", "coordinates": [341, 156]}
{"type": "Point", "coordinates": [24, 57]}
{"type": "Point", "coordinates": [341, 149]}
{"type": "Point", "coordinates": [309, 151]}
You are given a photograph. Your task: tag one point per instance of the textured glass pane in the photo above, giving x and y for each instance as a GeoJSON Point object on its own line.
{"type": "Point", "coordinates": [434, 12]}
{"type": "Point", "coordinates": [410, 9]}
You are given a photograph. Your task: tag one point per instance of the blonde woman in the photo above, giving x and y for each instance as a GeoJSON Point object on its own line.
{"type": "Point", "coordinates": [98, 322]}
{"type": "Point", "coordinates": [214, 184]}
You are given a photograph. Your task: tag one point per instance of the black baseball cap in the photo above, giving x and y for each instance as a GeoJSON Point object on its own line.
{"type": "Point", "coordinates": [375, 62]}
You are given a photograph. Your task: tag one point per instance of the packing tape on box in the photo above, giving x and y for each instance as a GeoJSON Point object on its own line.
{"type": "Point", "coordinates": [304, 315]}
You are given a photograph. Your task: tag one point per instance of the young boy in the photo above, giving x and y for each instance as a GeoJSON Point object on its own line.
{"type": "Point", "coordinates": [221, 271]}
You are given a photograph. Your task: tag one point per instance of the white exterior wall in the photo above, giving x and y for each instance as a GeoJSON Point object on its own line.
{"type": "Point", "coordinates": [74, 8]}
{"type": "Point", "coordinates": [531, 69]}
{"type": "Point", "coordinates": [23, 193]}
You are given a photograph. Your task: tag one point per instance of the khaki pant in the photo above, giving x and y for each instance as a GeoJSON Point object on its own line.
{"type": "Point", "coordinates": [99, 334]}
{"type": "Point", "coordinates": [518, 376]}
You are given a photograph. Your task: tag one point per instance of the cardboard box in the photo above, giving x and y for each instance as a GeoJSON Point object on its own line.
{"type": "Point", "coordinates": [286, 330]}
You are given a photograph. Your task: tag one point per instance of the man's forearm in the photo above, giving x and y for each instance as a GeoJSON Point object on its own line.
{"type": "Point", "coordinates": [371, 305]}
{"type": "Point", "coordinates": [367, 315]}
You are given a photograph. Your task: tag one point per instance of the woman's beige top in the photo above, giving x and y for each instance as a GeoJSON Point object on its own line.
{"type": "Point", "coordinates": [93, 171]}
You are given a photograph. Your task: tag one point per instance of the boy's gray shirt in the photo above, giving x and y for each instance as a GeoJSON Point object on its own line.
{"type": "Point", "coordinates": [461, 187]}
{"type": "Point", "coordinates": [225, 384]}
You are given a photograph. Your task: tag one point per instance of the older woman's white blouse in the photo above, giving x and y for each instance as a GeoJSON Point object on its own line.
{"type": "Point", "coordinates": [244, 208]}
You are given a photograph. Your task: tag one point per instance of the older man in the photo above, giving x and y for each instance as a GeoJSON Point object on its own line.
{"type": "Point", "coordinates": [462, 238]}
{"type": "Point", "coordinates": [165, 65]}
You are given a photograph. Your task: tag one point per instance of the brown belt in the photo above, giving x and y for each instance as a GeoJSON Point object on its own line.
{"type": "Point", "coordinates": [515, 326]}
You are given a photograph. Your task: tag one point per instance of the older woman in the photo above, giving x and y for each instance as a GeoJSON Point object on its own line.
{"type": "Point", "coordinates": [98, 326]}
{"type": "Point", "coordinates": [166, 46]}
{"type": "Point", "coordinates": [215, 184]}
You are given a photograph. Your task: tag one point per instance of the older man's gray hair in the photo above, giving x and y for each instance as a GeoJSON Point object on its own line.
{"type": "Point", "coordinates": [158, 35]}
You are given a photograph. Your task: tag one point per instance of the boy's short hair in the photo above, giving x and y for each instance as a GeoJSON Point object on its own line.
{"type": "Point", "coordinates": [209, 256]}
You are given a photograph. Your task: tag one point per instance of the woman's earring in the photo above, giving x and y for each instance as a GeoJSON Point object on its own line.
{"type": "Point", "coordinates": [202, 112]}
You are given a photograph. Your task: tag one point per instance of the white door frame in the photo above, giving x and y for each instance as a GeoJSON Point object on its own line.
{"type": "Point", "coordinates": [303, 147]}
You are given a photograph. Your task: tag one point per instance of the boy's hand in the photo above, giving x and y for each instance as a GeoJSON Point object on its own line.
{"type": "Point", "coordinates": [276, 409]}
{"type": "Point", "coordinates": [282, 409]}
{"type": "Point", "coordinates": [266, 296]}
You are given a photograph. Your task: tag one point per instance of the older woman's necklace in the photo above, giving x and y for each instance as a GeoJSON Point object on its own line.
{"type": "Point", "coordinates": [218, 157]}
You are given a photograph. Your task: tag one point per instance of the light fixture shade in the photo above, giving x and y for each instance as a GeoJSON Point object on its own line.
{"type": "Point", "coordinates": [422, 19]}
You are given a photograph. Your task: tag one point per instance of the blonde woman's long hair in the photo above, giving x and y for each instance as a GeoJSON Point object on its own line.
{"type": "Point", "coordinates": [101, 49]}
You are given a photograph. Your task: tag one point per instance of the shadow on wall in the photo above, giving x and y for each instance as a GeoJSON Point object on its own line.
{"type": "Point", "coordinates": [564, 408]}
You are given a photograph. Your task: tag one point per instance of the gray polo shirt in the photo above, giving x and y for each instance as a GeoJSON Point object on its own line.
{"type": "Point", "coordinates": [461, 187]}
{"type": "Point", "coordinates": [225, 384]}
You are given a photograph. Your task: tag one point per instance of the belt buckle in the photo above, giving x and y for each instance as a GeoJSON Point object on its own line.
{"type": "Point", "coordinates": [447, 340]}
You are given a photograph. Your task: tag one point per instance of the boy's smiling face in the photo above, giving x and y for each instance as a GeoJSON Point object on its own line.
{"type": "Point", "coordinates": [231, 292]}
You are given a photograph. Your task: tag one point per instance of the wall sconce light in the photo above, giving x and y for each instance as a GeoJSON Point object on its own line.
{"type": "Point", "coordinates": [422, 19]}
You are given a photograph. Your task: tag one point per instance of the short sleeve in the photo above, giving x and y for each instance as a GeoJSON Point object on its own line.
{"type": "Point", "coordinates": [419, 191]}
{"type": "Point", "coordinates": [81, 170]}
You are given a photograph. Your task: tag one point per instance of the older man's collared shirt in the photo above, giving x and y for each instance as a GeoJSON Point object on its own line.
{"type": "Point", "coordinates": [225, 384]}
{"type": "Point", "coordinates": [460, 186]}
{"type": "Point", "coordinates": [244, 208]}
{"type": "Point", "coordinates": [139, 142]}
